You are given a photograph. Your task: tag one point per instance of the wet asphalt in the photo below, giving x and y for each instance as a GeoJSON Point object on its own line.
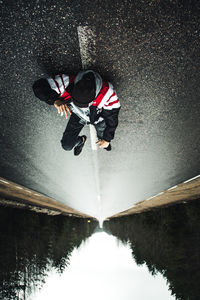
{"type": "Point", "coordinates": [149, 50]}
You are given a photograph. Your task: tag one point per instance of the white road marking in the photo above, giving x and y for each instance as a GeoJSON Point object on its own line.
{"type": "Point", "coordinates": [173, 187]}
{"type": "Point", "coordinates": [87, 46]}
{"type": "Point", "coordinates": [192, 179]}
{"type": "Point", "coordinates": [4, 181]}
{"type": "Point", "coordinates": [151, 197]}
{"type": "Point", "coordinates": [160, 193]}
{"type": "Point", "coordinates": [87, 40]}
{"type": "Point", "coordinates": [100, 219]}
{"type": "Point", "coordinates": [155, 196]}
{"type": "Point", "coordinates": [101, 223]}
{"type": "Point", "coordinates": [19, 187]}
{"type": "Point", "coordinates": [93, 137]}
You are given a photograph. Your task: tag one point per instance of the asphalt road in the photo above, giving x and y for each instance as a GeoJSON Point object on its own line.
{"type": "Point", "coordinates": [149, 50]}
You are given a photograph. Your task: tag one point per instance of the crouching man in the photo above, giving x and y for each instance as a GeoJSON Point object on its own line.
{"type": "Point", "coordinates": [88, 99]}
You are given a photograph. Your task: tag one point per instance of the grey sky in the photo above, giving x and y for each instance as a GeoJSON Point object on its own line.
{"type": "Point", "coordinates": [103, 268]}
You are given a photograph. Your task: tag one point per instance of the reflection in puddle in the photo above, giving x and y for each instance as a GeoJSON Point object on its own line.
{"type": "Point", "coordinates": [103, 268]}
{"type": "Point", "coordinates": [148, 256]}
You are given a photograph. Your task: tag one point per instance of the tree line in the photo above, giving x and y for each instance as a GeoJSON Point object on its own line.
{"type": "Point", "coordinates": [166, 240]}
{"type": "Point", "coordinates": [31, 244]}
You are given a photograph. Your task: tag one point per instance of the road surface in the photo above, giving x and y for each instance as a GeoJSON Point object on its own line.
{"type": "Point", "coordinates": [149, 50]}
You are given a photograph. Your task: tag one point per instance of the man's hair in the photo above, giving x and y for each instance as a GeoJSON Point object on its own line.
{"type": "Point", "coordinates": [84, 90]}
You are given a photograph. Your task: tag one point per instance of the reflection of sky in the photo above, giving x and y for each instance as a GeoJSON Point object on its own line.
{"type": "Point", "coordinates": [103, 268]}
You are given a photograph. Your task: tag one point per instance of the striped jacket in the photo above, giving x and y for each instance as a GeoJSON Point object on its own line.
{"type": "Point", "coordinates": [106, 105]}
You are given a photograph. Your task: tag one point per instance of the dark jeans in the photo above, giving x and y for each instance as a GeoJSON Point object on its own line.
{"type": "Point", "coordinates": [71, 136]}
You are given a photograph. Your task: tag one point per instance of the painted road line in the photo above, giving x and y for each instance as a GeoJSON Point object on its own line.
{"type": "Point", "coordinates": [28, 191]}
{"type": "Point", "coordinates": [192, 179]}
{"type": "Point", "coordinates": [86, 40]}
{"type": "Point", "coordinates": [159, 194]}
{"type": "Point", "coordinates": [93, 137]}
{"type": "Point", "coordinates": [151, 198]}
{"type": "Point", "coordinates": [19, 187]}
{"type": "Point", "coordinates": [4, 181]}
{"type": "Point", "coordinates": [173, 187]}
{"type": "Point", "coordinates": [100, 219]}
{"type": "Point", "coordinates": [154, 196]}
{"type": "Point", "coordinates": [97, 183]}
{"type": "Point", "coordinates": [87, 46]}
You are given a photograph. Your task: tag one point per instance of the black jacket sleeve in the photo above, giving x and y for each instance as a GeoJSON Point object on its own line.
{"type": "Point", "coordinates": [111, 120]}
{"type": "Point", "coordinates": [52, 98]}
{"type": "Point", "coordinates": [44, 92]}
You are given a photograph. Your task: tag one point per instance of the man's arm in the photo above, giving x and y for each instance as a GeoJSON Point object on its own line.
{"type": "Point", "coordinates": [111, 120]}
{"type": "Point", "coordinates": [62, 107]}
{"type": "Point", "coordinates": [64, 85]}
{"type": "Point", "coordinates": [44, 92]}
{"type": "Point", "coordinates": [53, 91]}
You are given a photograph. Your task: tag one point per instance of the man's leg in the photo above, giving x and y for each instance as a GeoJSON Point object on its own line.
{"type": "Point", "coordinates": [100, 127]}
{"type": "Point", "coordinates": [71, 136]}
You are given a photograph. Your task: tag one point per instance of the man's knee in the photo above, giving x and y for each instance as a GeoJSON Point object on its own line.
{"type": "Point", "coordinates": [67, 146]}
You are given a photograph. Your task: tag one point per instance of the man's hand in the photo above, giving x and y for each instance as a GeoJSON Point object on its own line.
{"type": "Point", "coordinates": [103, 144]}
{"type": "Point", "coordinates": [62, 108]}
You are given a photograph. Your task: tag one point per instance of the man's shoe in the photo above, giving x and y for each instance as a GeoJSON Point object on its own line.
{"type": "Point", "coordinates": [109, 148]}
{"type": "Point", "coordinates": [78, 148]}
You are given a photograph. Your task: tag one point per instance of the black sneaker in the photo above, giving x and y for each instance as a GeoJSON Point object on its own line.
{"type": "Point", "coordinates": [109, 148]}
{"type": "Point", "coordinates": [78, 148]}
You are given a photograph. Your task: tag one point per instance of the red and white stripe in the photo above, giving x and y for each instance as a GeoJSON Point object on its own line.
{"type": "Point", "coordinates": [107, 97]}
{"type": "Point", "coordinates": [60, 82]}
{"type": "Point", "coordinates": [112, 102]}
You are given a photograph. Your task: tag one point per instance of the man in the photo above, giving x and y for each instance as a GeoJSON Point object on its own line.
{"type": "Point", "coordinates": [88, 99]}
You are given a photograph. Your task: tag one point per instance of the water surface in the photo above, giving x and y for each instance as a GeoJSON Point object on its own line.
{"type": "Point", "coordinates": [152, 255]}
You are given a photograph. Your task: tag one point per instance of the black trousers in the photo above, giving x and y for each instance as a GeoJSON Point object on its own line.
{"type": "Point", "coordinates": [71, 136]}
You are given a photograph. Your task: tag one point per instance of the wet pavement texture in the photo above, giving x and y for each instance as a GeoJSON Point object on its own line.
{"type": "Point", "coordinates": [149, 50]}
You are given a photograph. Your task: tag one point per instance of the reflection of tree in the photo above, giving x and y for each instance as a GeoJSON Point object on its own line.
{"type": "Point", "coordinates": [167, 240]}
{"type": "Point", "coordinates": [30, 244]}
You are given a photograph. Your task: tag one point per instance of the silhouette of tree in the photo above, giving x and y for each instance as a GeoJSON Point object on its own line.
{"type": "Point", "coordinates": [31, 244]}
{"type": "Point", "coordinates": [167, 240]}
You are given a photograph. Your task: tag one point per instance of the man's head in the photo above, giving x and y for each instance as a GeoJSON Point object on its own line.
{"type": "Point", "coordinates": [84, 90]}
